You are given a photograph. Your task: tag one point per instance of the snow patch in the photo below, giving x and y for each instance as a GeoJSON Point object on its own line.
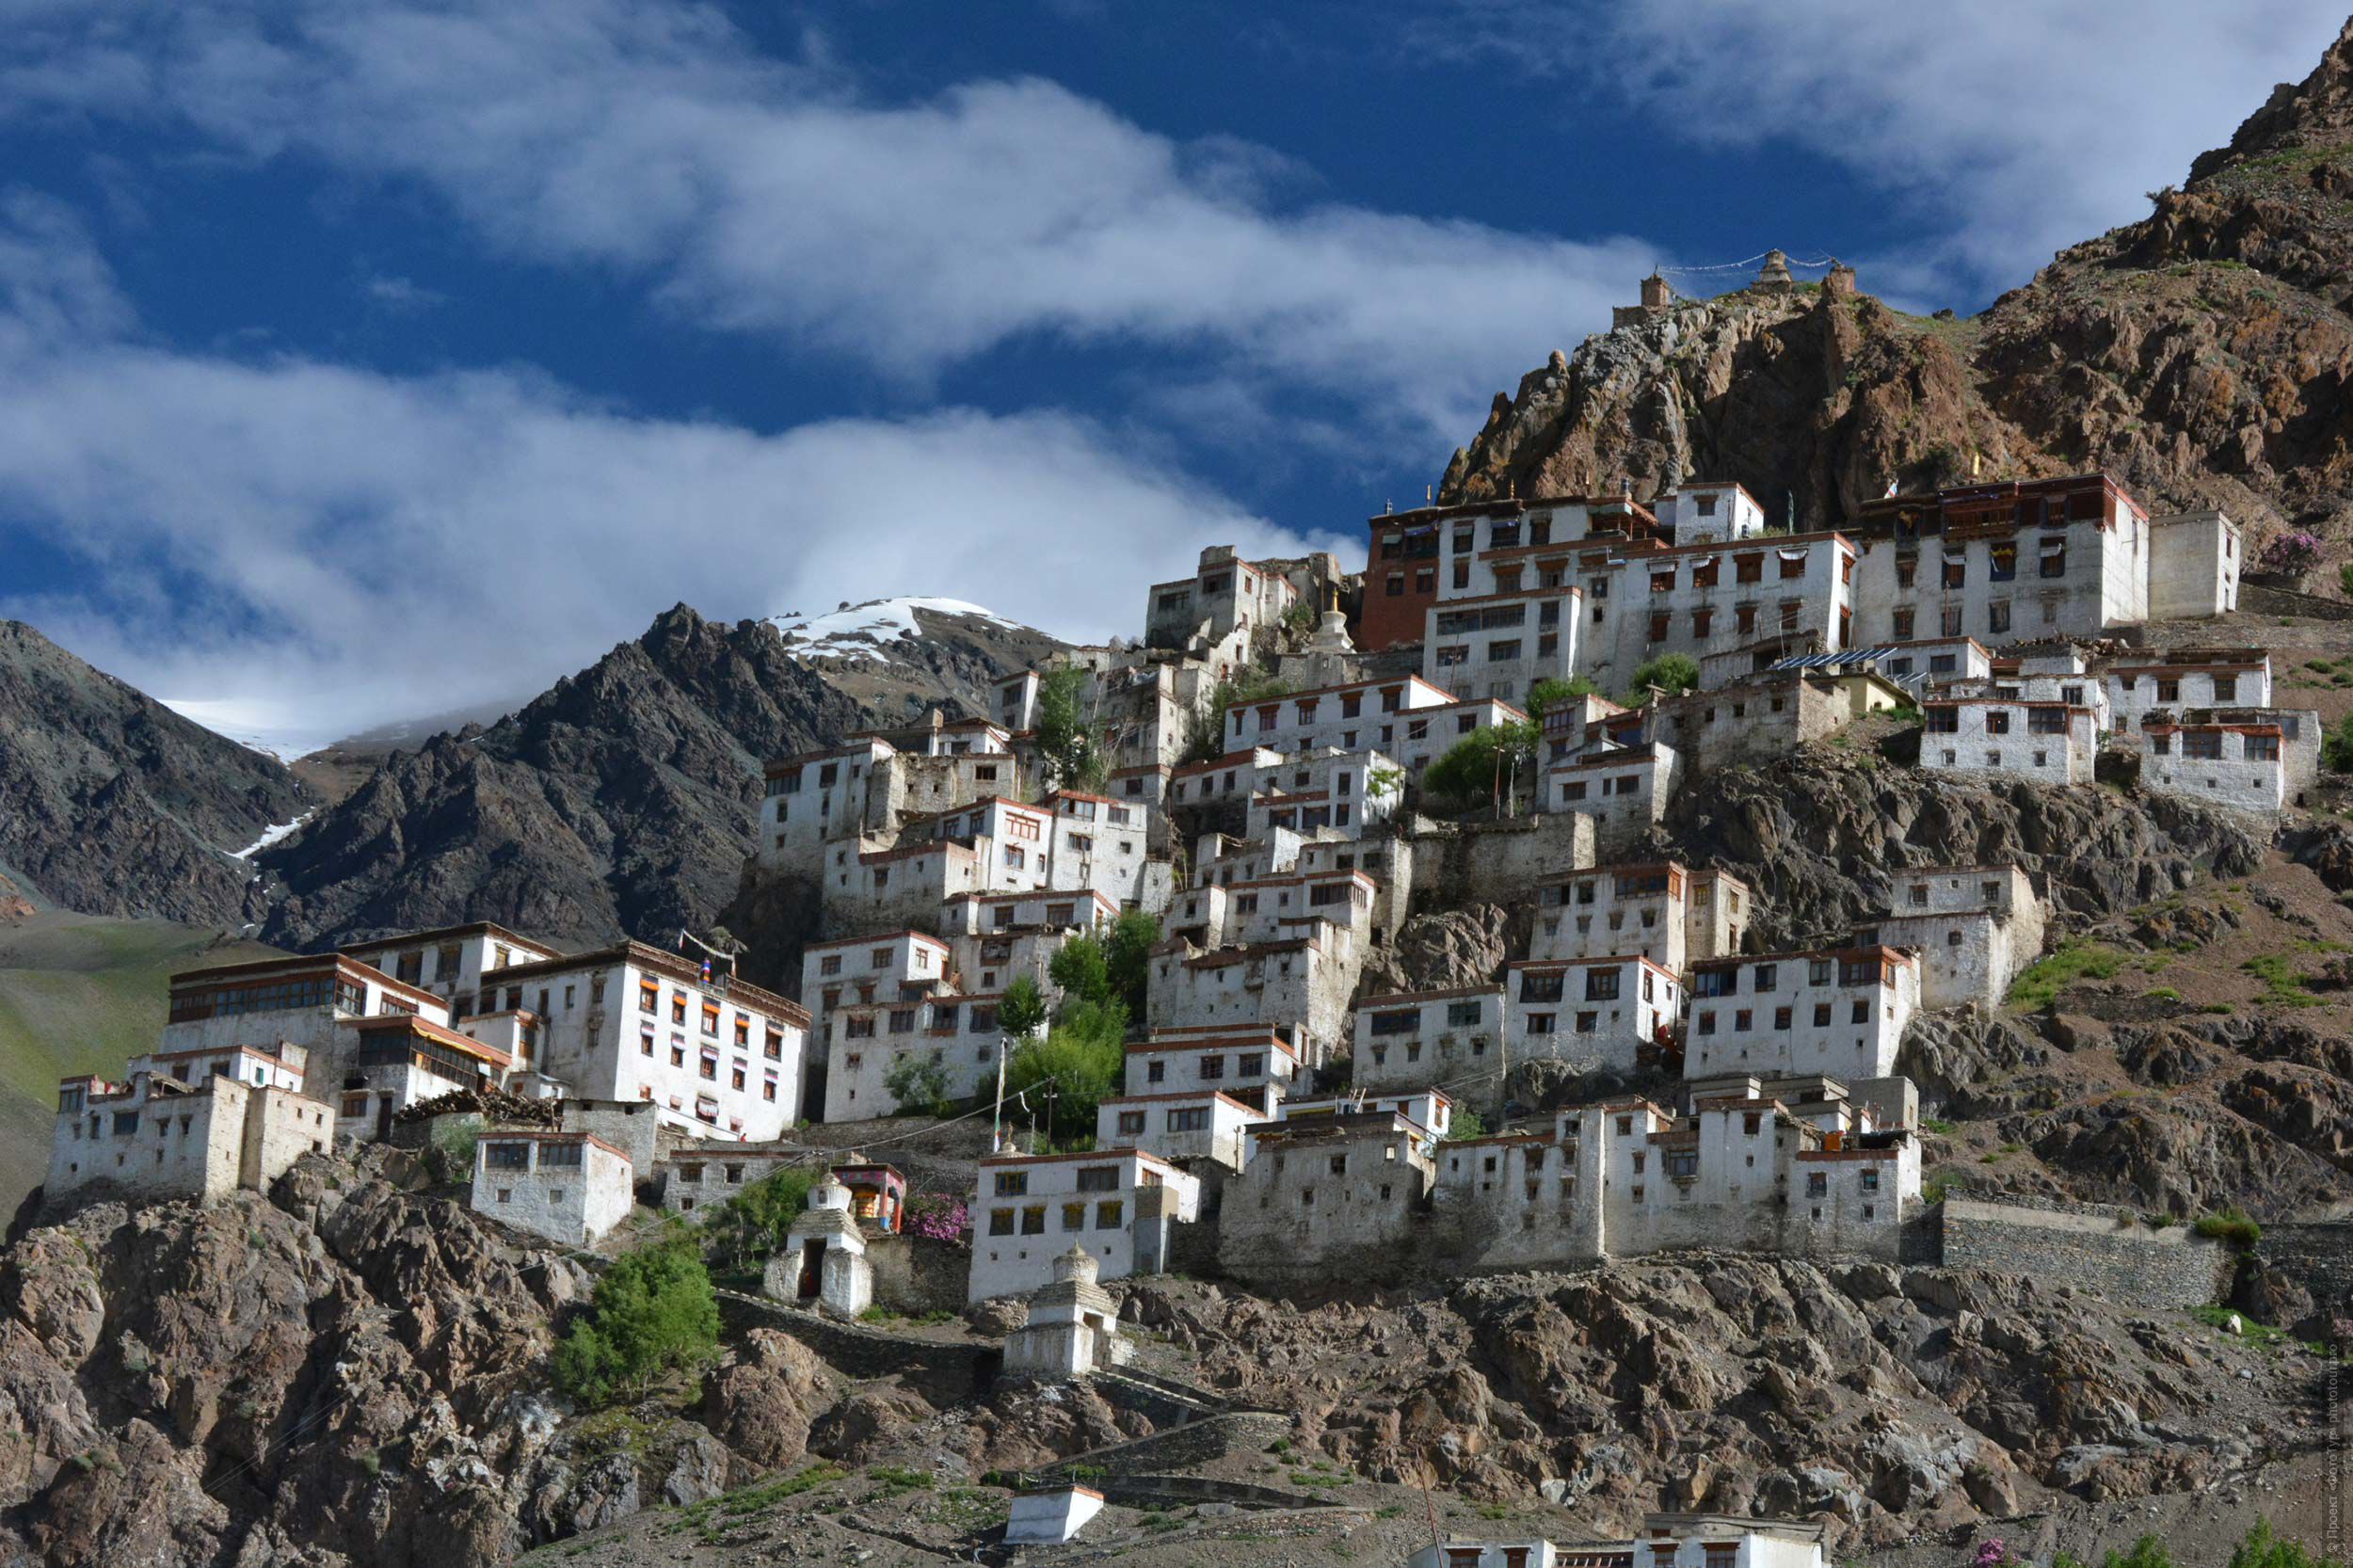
{"type": "Point", "coordinates": [867, 631]}
{"type": "Point", "coordinates": [270, 835]}
{"type": "Point", "coordinates": [257, 726]}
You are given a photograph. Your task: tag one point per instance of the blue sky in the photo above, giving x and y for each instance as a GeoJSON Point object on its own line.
{"type": "Point", "coordinates": [360, 360]}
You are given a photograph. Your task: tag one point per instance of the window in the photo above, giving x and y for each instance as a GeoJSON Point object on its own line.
{"type": "Point", "coordinates": [1001, 1222]}
{"type": "Point", "coordinates": [1190, 1118]}
{"type": "Point", "coordinates": [1131, 1124]}
{"type": "Point", "coordinates": [1747, 569]}
{"type": "Point", "coordinates": [1034, 1220]}
{"type": "Point", "coordinates": [1816, 1184]}
{"type": "Point", "coordinates": [1538, 985]}
{"type": "Point", "coordinates": [1601, 986]}
{"type": "Point", "coordinates": [1998, 616]}
{"type": "Point", "coordinates": [506, 1157]}
{"type": "Point", "coordinates": [1106, 1214]}
{"type": "Point", "coordinates": [1463, 1014]}
{"type": "Point", "coordinates": [1012, 1184]}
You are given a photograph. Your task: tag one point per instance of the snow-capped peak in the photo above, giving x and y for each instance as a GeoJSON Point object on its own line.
{"type": "Point", "coordinates": [867, 631]}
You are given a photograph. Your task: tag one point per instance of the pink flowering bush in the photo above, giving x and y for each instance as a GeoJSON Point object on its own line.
{"type": "Point", "coordinates": [936, 1216]}
{"type": "Point", "coordinates": [2292, 555]}
{"type": "Point", "coordinates": [1992, 1553]}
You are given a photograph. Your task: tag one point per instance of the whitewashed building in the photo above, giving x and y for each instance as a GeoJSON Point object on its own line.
{"type": "Point", "coordinates": [719, 1056]}
{"type": "Point", "coordinates": [569, 1186]}
{"type": "Point", "coordinates": [1183, 1124]}
{"type": "Point", "coordinates": [1840, 1012]}
{"type": "Point", "coordinates": [459, 964]}
{"type": "Point", "coordinates": [2186, 677]}
{"type": "Point", "coordinates": [1406, 1040]}
{"type": "Point", "coordinates": [1589, 1013]}
{"type": "Point", "coordinates": [196, 1125]}
{"type": "Point", "coordinates": [1662, 911]}
{"type": "Point", "coordinates": [1346, 793]}
{"type": "Point", "coordinates": [1626, 789]}
{"type": "Point", "coordinates": [1256, 1067]}
{"type": "Point", "coordinates": [1295, 989]}
{"type": "Point", "coordinates": [1122, 1205]}
{"type": "Point", "coordinates": [1501, 644]}
{"type": "Point", "coordinates": [870, 1043]}
{"type": "Point", "coordinates": [2049, 742]}
{"type": "Point", "coordinates": [1974, 928]}
{"type": "Point", "coordinates": [2259, 760]}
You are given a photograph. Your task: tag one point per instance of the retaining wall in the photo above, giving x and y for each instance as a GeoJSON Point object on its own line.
{"type": "Point", "coordinates": [2107, 1252]}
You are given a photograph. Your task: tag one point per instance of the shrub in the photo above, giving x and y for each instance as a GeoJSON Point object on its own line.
{"type": "Point", "coordinates": [2292, 555]}
{"type": "Point", "coordinates": [1063, 1077]}
{"type": "Point", "coordinates": [918, 1083]}
{"type": "Point", "coordinates": [941, 1216]}
{"type": "Point", "coordinates": [1487, 762]}
{"type": "Point", "coordinates": [652, 1315]}
{"type": "Point", "coordinates": [1128, 957]}
{"type": "Point", "coordinates": [1021, 1010]}
{"type": "Point", "coordinates": [2336, 746]}
{"type": "Point", "coordinates": [2344, 578]}
{"type": "Point", "coordinates": [741, 1232]}
{"type": "Point", "coordinates": [1066, 741]}
{"type": "Point", "coordinates": [1466, 1123]}
{"type": "Point", "coordinates": [2042, 981]}
{"type": "Point", "coordinates": [1671, 672]}
{"type": "Point", "coordinates": [1550, 693]}
{"type": "Point", "coordinates": [2232, 1228]}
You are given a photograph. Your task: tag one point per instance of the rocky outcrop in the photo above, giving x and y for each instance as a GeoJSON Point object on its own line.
{"type": "Point", "coordinates": [117, 804]}
{"type": "Point", "coordinates": [1821, 833]}
{"type": "Point", "coordinates": [1890, 1400]}
{"type": "Point", "coordinates": [1438, 950]}
{"type": "Point", "coordinates": [2200, 356]}
{"type": "Point", "coordinates": [621, 801]}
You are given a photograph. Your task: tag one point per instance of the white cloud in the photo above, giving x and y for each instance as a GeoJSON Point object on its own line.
{"type": "Point", "coordinates": [400, 296]}
{"type": "Point", "coordinates": [775, 196]}
{"type": "Point", "coordinates": [2007, 131]}
{"type": "Point", "coordinates": [329, 548]}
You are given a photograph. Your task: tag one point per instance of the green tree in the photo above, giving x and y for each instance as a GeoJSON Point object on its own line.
{"type": "Point", "coordinates": [653, 1315]}
{"type": "Point", "coordinates": [2336, 746]}
{"type": "Point", "coordinates": [1127, 958]}
{"type": "Point", "coordinates": [1073, 755]}
{"type": "Point", "coordinates": [1548, 694]}
{"type": "Point", "coordinates": [1487, 763]}
{"type": "Point", "coordinates": [1465, 1122]}
{"type": "Point", "coordinates": [1021, 1010]}
{"type": "Point", "coordinates": [743, 1232]}
{"type": "Point", "coordinates": [918, 1083]}
{"type": "Point", "coordinates": [1063, 1077]}
{"type": "Point", "coordinates": [2264, 1549]}
{"type": "Point", "coordinates": [2148, 1552]}
{"type": "Point", "coordinates": [1671, 672]}
{"type": "Point", "coordinates": [1208, 740]}
{"type": "Point", "coordinates": [1083, 971]}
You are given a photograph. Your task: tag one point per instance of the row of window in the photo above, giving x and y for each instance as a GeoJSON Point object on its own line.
{"type": "Point", "coordinates": [1109, 1215]}
{"type": "Point", "coordinates": [1766, 978]}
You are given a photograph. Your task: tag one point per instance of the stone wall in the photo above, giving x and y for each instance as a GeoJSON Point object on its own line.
{"type": "Point", "coordinates": [915, 1275]}
{"type": "Point", "coordinates": [1455, 864]}
{"type": "Point", "coordinates": [944, 1372]}
{"type": "Point", "coordinates": [2104, 1251]}
{"type": "Point", "coordinates": [1186, 1447]}
{"type": "Point", "coordinates": [2318, 1257]}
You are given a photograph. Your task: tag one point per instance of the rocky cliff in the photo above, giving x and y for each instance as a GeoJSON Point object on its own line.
{"type": "Point", "coordinates": [117, 805]}
{"type": "Point", "coordinates": [2200, 356]}
{"type": "Point", "coordinates": [621, 801]}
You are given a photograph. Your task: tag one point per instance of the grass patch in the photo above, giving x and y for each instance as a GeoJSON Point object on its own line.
{"type": "Point", "coordinates": [2282, 985]}
{"type": "Point", "coordinates": [1310, 1479]}
{"type": "Point", "coordinates": [2042, 981]}
{"type": "Point", "coordinates": [2262, 1336]}
{"type": "Point", "coordinates": [897, 1478]}
{"type": "Point", "coordinates": [2164, 993]}
{"type": "Point", "coordinates": [1937, 1124]}
{"type": "Point", "coordinates": [2231, 1227]}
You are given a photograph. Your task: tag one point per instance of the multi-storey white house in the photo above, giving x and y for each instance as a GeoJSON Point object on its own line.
{"type": "Point", "coordinates": [880, 967]}
{"type": "Point", "coordinates": [569, 1186]}
{"type": "Point", "coordinates": [1180, 1124]}
{"type": "Point", "coordinates": [1297, 989]}
{"type": "Point", "coordinates": [180, 1129]}
{"type": "Point", "coordinates": [2017, 559]}
{"type": "Point", "coordinates": [302, 1002]}
{"type": "Point", "coordinates": [719, 1056]}
{"type": "Point", "coordinates": [1974, 928]}
{"type": "Point", "coordinates": [2259, 760]}
{"type": "Point", "coordinates": [1406, 718]}
{"type": "Point", "coordinates": [1256, 1067]}
{"type": "Point", "coordinates": [458, 963]}
{"type": "Point", "coordinates": [864, 785]}
{"type": "Point", "coordinates": [1234, 776]}
{"type": "Point", "coordinates": [2186, 677]}
{"type": "Point", "coordinates": [1345, 793]}
{"type": "Point", "coordinates": [868, 1042]}
{"type": "Point", "coordinates": [2050, 742]}
{"type": "Point", "coordinates": [1662, 911]}
{"type": "Point", "coordinates": [1123, 1205]}
{"type": "Point", "coordinates": [1624, 789]}
{"type": "Point", "coordinates": [1501, 644]}
{"type": "Point", "coordinates": [395, 1059]}
{"type": "Point", "coordinates": [1589, 1013]}
{"type": "Point", "coordinates": [1215, 613]}
{"type": "Point", "coordinates": [1411, 1039]}
{"type": "Point", "coordinates": [1702, 599]}
{"type": "Point", "coordinates": [1840, 1012]}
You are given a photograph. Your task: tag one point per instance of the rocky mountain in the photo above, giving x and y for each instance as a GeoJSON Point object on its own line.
{"type": "Point", "coordinates": [621, 800]}
{"type": "Point", "coordinates": [2200, 356]}
{"type": "Point", "coordinates": [353, 1369]}
{"type": "Point", "coordinates": [117, 804]}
